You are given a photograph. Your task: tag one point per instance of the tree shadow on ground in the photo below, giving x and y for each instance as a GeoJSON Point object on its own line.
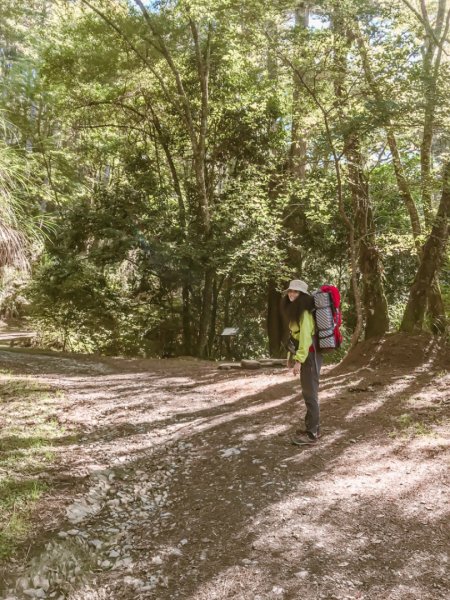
{"type": "Point", "coordinates": [250, 505]}
{"type": "Point", "coordinates": [221, 511]}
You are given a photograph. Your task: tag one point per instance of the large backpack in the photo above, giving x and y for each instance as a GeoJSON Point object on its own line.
{"type": "Point", "coordinates": [327, 314]}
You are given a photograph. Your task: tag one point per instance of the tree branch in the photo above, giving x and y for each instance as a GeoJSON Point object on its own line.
{"type": "Point", "coordinates": [425, 23]}
{"type": "Point", "coordinates": [132, 47]}
{"type": "Point", "coordinates": [179, 84]}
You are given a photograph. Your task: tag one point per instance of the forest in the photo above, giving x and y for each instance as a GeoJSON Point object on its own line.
{"type": "Point", "coordinates": [166, 167]}
{"type": "Point", "coordinates": [173, 171]}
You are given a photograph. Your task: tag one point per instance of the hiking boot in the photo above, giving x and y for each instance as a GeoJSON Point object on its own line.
{"type": "Point", "coordinates": [305, 439]}
{"type": "Point", "coordinates": [303, 432]}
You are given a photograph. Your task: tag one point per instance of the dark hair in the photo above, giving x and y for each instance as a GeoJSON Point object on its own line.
{"type": "Point", "coordinates": [292, 311]}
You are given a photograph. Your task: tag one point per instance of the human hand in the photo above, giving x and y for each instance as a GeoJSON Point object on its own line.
{"type": "Point", "coordinates": [296, 369]}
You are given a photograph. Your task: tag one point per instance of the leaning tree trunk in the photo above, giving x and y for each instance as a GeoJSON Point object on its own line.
{"type": "Point", "coordinates": [432, 255]}
{"type": "Point", "coordinates": [435, 302]}
{"type": "Point", "coordinates": [436, 308]}
{"type": "Point", "coordinates": [430, 74]}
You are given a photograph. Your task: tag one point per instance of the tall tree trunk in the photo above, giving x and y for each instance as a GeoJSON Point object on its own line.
{"type": "Point", "coordinates": [213, 321]}
{"type": "Point", "coordinates": [402, 182]}
{"type": "Point", "coordinates": [349, 224]}
{"type": "Point", "coordinates": [195, 118]}
{"type": "Point", "coordinates": [205, 314]}
{"type": "Point", "coordinates": [432, 57]}
{"type": "Point", "coordinates": [376, 318]}
{"type": "Point", "coordinates": [226, 315]}
{"type": "Point", "coordinates": [296, 164]}
{"type": "Point", "coordinates": [432, 255]}
{"type": "Point", "coordinates": [297, 158]}
{"type": "Point", "coordinates": [200, 165]}
{"type": "Point", "coordinates": [186, 320]}
{"type": "Point", "coordinates": [294, 219]}
{"type": "Point", "coordinates": [275, 327]}
{"type": "Point", "coordinates": [370, 265]}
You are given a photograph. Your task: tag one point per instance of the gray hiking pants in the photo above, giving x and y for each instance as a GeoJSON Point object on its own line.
{"type": "Point", "coordinates": [309, 379]}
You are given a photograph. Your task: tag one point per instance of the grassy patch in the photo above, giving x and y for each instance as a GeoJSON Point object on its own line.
{"type": "Point", "coordinates": [407, 425]}
{"type": "Point", "coordinates": [28, 432]}
{"type": "Point", "coordinates": [17, 499]}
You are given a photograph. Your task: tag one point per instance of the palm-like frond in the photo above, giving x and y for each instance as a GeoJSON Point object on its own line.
{"type": "Point", "coordinates": [13, 242]}
{"type": "Point", "coordinates": [12, 248]}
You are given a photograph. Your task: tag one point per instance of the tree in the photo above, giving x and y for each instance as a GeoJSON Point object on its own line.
{"type": "Point", "coordinates": [432, 256]}
{"type": "Point", "coordinates": [370, 265]}
{"type": "Point", "coordinates": [194, 155]}
{"type": "Point", "coordinates": [434, 39]}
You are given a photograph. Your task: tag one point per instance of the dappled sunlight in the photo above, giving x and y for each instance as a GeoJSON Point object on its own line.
{"type": "Point", "coordinates": [209, 491]}
{"type": "Point", "coordinates": [365, 408]}
{"type": "Point", "coordinates": [266, 432]}
{"type": "Point", "coordinates": [340, 516]}
{"type": "Point", "coordinates": [419, 564]}
{"type": "Point", "coordinates": [238, 582]}
{"type": "Point", "coordinates": [137, 442]}
{"type": "Point", "coordinates": [439, 394]}
{"type": "Point", "coordinates": [299, 523]}
{"type": "Point", "coordinates": [149, 411]}
{"type": "Point", "coordinates": [114, 396]}
{"type": "Point", "coordinates": [415, 488]}
{"type": "Point", "coordinates": [397, 387]}
{"type": "Point", "coordinates": [315, 453]}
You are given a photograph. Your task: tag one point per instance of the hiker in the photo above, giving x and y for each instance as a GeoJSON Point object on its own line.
{"type": "Point", "coordinates": [296, 307]}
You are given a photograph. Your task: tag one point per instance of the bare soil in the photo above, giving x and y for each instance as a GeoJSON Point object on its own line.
{"type": "Point", "coordinates": [193, 490]}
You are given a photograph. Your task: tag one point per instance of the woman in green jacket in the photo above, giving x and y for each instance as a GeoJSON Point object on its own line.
{"type": "Point", "coordinates": [296, 307]}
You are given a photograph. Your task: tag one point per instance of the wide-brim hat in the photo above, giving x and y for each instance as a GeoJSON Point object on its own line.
{"type": "Point", "coordinates": [298, 285]}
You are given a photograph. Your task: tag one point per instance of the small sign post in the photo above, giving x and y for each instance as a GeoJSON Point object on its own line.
{"type": "Point", "coordinates": [228, 334]}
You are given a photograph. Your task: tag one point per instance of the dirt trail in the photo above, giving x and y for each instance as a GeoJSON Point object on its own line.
{"type": "Point", "coordinates": [181, 482]}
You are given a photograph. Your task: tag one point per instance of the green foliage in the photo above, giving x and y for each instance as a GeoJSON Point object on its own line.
{"type": "Point", "coordinates": [156, 153]}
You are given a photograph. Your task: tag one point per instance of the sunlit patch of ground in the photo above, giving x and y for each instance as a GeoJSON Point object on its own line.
{"type": "Point", "coordinates": [242, 514]}
{"type": "Point", "coordinates": [28, 434]}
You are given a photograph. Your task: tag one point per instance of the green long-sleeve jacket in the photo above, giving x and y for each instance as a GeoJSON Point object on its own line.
{"type": "Point", "coordinates": [303, 332]}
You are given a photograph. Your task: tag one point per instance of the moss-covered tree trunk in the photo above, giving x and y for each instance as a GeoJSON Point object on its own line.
{"type": "Point", "coordinates": [431, 258]}
{"type": "Point", "coordinates": [432, 54]}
